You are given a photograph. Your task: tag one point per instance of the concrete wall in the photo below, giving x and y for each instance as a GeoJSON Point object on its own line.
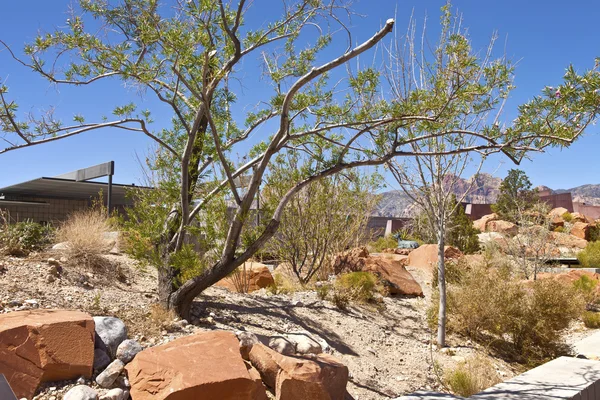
{"type": "Point", "coordinates": [586, 209]}
{"type": "Point", "coordinates": [55, 211]}
{"type": "Point", "coordinates": [559, 200]}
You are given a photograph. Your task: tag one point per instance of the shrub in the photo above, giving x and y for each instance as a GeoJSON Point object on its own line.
{"type": "Point", "coordinates": [382, 243]}
{"type": "Point", "coordinates": [84, 231]}
{"type": "Point", "coordinates": [559, 229]}
{"type": "Point", "coordinates": [472, 376]}
{"type": "Point", "coordinates": [567, 217]}
{"type": "Point", "coordinates": [591, 319]}
{"type": "Point", "coordinates": [590, 256]}
{"type": "Point", "coordinates": [355, 286]}
{"type": "Point", "coordinates": [586, 287]}
{"type": "Point", "coordinates": [284, 284]}
{"type": "Point", "coordinates": [21, 238]}
{"type": "Point", "coordinates": [523, 320]}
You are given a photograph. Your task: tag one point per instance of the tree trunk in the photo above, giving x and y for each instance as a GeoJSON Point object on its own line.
{"type": "Point", "coordinates": [441, 333]}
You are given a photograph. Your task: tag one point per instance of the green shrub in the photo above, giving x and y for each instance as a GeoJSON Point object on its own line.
{"type": "Point", "coordinates": [567, 217]}
{"type": "Point", "coordinates": [524, 320]}
{"type": "Point", "coordinates": [595, 232]}
{"type": "Point", "coordinates": [354, 286]}
{"type": "Point", "coordinates": [454, 271]}
{"type": "Point", "coordinates": [590, 256]}
{"type": "Point", "coordinates": [472, 376]}
{"type": "Point", "coordinates": [586, 286]}
{"type": "Point", "coordinates": [382, 243]}
{"type": "Point", "coordinates": [23, 237]}
{"type": "Point", "coordinates": [559, 229]}
{"type": "Point", "coordinates": [591, 319]}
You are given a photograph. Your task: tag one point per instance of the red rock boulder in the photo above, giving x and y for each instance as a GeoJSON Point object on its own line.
{"type": "Point", "coordinates": [252, 276]}
{"type": "Point", "coordinates": [203, 366]}
{"type": "Point", "coordinates": [504, 227]}
{"type": "Point", "coordinates": [581, 230]}
{"type": "Point", "coordinates": [482, 222]}
{"type": "Point", "coordinates": [390, 269]}
{"type": "Point", "coordinates": [426, 256]}
{"type": "Point", "coordinates": [569, 241]}
{"type": "Point", "coordinates": [45, 345]}
{"type": "Point", "coordinates": [321, 377]}
{"type": "Point", "coordinates": [557, 212]}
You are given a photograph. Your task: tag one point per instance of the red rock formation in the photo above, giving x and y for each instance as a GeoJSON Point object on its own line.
{"type": "Point", "coordinates": [45, 345]}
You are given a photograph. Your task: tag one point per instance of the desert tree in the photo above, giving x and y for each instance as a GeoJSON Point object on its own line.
{"type": "Point", "coordinates": [191, 56]}
{"type": "Point", "coordinates": [516, 196]}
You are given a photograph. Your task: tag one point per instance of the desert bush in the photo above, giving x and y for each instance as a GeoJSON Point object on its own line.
{"type": "Point", "coordinates": [567, 217]}
{"type": "Point", "coordinates": [595, 232]}
{"type": "Point", "coordinates": [472, 376]}
{"type": "Point", "coordinates": [284, 284]}
{"type": "Point", "coordinates": [591, 319]}
{"type": "Point", "coordinates": [523, 320]}
{"type": "Point", "coordinates": [586, 286]}
{"type": "Point", "coordinates": [590, 256]}
{"type": "Point", "coordinates": [559, 229]}
{"type": "Point", "coordinates": [454, 271]}
{"type": "Point", "coordinates": [355, 286]}
{"type": "Point", "coordinates": [84, 231]}
{"type": "Point", "coordinates": [20, 238]}
{"type": "Point", "coordinates": [382, 243]}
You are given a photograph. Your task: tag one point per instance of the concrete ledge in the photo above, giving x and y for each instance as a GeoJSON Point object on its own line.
{"type": "Point", "coordinates": [589, 347]}
{"type": "Point", "coordinates": [429, 396]}
{"type": "Point", "coordinates": [562, 378]}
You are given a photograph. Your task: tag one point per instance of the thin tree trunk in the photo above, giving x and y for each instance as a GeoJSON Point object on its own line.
{"type": "Point", "coordinates": [441, 333]}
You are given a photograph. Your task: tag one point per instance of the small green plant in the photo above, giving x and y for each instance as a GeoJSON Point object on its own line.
{"type": "Point", "coordinates": [586, 286]}
{"type": "Point", "coordinates": [472, 376]}
{"type": "Point", "coordinates": [559, 229]}
{"type": "Point", "coordinates": [567, 217]}
{"type": "Point", "coordinates": [382, 243]}
{"type": "Point", "coordinates": [590, 256]}
{"type": "Point", "coordinates": [355, 286]}
{"type": "Point", "coordinates": [21, 238]}
{"type": "Point", "coordinates": [323, 291]}
{"type": "Point", "coordinates": [591, 319]}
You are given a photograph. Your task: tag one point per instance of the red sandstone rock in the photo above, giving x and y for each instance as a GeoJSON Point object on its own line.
{"type": "Point", "coordinates": [581, 230]}
{"type": "Point", "coordinates": [482, 222]}
{"type": "Point", "coordinates": [565, 240]}
{"type": "Point", "coordinates": [203, 366]}
{"type": "Point", "coordinates": [45, 345]}
{"type": "Point", "coordinates": [257, 275]}
{"type": "Point", "coordinates": [557, 212]}
{"type": "Point", "coordinates": [426, 256]}
{"type": "Point", "coordinates": [504, 227]}
{"type": "Point", "coordinates": [294, 378]}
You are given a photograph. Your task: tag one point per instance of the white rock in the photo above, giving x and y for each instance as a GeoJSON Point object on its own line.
{"type": "Point", "coordinates": [110, 374]}
{"type": "Point", "coordinates": [282, 345]}
{"type": "Point", "coordinates": [114, 394]}
{"type": "Point", "coordinates": [304, 343]}
{"type": "Point", "coordinates": [111, 331]}
{"type": "Point", "coordinates": [81, 392]}
{"type": "Point", "coordinates": [127, 350]}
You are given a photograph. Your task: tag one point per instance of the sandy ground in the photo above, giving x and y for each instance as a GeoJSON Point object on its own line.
{"type": "Point", "coordinates": [386, 347]}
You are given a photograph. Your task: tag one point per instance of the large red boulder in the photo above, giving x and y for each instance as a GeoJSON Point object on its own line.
{"type": "Point", "coordinates": [390, 269]}
{"type": "Point", "coordinates": [45, 345]}
{"type": "Point", "coordinates": [321, 377]}
{"type": "Point", "coordinates": [426, 256]}
{"type": "Point", "coordinates": [481, 223]}
{"type": "Point", "coordinates": [251, 276]}
{"type": "Point", "coordinates": [203, 366]}
{"type": "Point", "coordinates": [581, 230]}
{"type": "Point", "coordinates": [561, 239]}
{"type": "Point", "coordinates": [505, 227]}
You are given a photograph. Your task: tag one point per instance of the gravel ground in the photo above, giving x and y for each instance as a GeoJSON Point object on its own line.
{"type": "Point", "coordinates": [386, 347]}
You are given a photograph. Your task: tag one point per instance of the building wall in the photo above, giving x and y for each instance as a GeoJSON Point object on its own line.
{"type": "Point", "coordinates": [559, 200]}
{"type": "Point", "coordinates": [57, 209]}
{"type": "Point", "coordinates": [587, 209]}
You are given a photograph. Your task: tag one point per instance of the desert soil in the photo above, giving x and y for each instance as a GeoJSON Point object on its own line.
{"type": "Point", "coordinates": [386, 347]}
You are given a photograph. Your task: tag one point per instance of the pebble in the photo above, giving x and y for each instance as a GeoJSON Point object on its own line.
{"type": "Point", "coordinates": [81, 392]}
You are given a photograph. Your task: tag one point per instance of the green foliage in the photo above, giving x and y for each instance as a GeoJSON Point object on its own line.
{"type": "Point", "coordinates": [21, 238]}
{"type": "Point", "coordinates": [591, 319]}
{"type": "Point", "coordinates": [590, 256]}
{"type": "Point", "coordinates": [516, 196]}
{"type": "Point", "coordinates": [472, 376]}
{"type": "Point", "coordinates": [586, 286]}
{"type": "Point", "coordinates": [187, 262]}
{"type": "Point", "coordinates": [567, 216]}
{"type": "Point", "coordinates": [382, 243]}
{"type": "Point", "coordinates": [559, 229]}
{"type": "Point", "coordinates": [354, 287]}
{"type": "Point", "coordinates": [324, 218]}
{"type": "Point", "coordinates": [595, 232]}
{"type": "Point", "coordinates": [461, 232]}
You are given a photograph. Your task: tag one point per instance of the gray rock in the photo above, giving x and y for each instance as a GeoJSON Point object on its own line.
{"type": "Point", "coordinates": [123, 382]}
{"type": "Point", "coordinates": [247, 340]}
{"type": "Point", "coordinates": [128, 349]}
{"type": "Point", "coordinates": [111, 331]}
{"type": "Point", "coordinates": [304, 343]}
{"type": "Point", "coordinates": [61, 246]}
{"type": "Point", "coordinates": [110, 374]}
{"type": "Point", "coordinates": [101, 359]}
{"type": "Point", "coordinates": [282, 345]}
{"type": "Point", "coordinates": [114, 394]}
{"type": "Point", "coordinates": [81, 392]}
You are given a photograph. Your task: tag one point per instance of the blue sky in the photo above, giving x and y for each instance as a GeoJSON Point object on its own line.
{"type": "Point", "coordinates": [543, 36]}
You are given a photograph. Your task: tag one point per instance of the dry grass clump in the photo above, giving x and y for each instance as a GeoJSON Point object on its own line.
{"type": "Point", "coordinates": [522, 321]}
{"type": "Point", "coordinates": [351, 287]}
{"type": "Point", "coordinates": [84, 232]}
{"type": "Point", "coordinates": [284, 284]}
{"type": "Point", "coordinates": [591, 319]}
{"type": "Point", "coordinates": [472, 376]}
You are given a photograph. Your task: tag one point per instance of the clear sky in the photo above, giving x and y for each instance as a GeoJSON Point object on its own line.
{"type": "Point", "coordinates": [544, 36]}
